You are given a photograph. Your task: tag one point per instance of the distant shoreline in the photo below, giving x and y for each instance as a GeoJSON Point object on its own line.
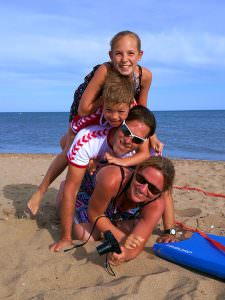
{"type": "Point", "coordinates": [52, 155]}
{"type": "Point", "coordinates": [41, 112]}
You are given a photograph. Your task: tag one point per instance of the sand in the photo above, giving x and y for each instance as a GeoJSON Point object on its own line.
{"type": "Point", "coordinates": [30, 271]}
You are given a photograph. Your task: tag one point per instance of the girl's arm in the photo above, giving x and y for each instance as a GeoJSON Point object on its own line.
{"type": "Point", "coordinates": [141, 155]}
{"type": "Point", "coordinates": [145, 86]}
{"type": "Point", "coordinates": [90, 99]}
{"type": "Point", "coordinates": [143, 98]}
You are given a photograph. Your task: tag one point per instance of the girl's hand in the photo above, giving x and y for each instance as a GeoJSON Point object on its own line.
{"type": "Point", "coordinates": [159, 147]}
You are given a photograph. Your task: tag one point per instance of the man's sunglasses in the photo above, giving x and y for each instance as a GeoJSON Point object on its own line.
{"type": "Point", "coordinates": [127, 132]}
{"type": "Point", "coordinates": [151, 187]}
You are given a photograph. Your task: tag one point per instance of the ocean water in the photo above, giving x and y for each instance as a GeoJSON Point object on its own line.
{"type": "Point", "coordinates": [186, 134]}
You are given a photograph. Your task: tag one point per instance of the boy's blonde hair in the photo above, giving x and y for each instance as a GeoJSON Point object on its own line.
{"type": "Point", "coordinates": [117, 89]}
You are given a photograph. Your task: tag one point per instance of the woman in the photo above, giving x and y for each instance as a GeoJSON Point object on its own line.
{"type": "Point", "coordinates": [120, 189]}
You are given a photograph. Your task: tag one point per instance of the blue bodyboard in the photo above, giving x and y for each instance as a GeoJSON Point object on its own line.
{"type": "Point", "coordinates": [196, 253]}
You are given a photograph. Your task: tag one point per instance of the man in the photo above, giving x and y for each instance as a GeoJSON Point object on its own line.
{"type": "Point", "coordinates": [94, 142]}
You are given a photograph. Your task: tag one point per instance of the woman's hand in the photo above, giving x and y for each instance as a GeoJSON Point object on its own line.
{"type": "Point", "coordinates": [166, 238]}
{"type": "Point", "coordinates": [117, 259]}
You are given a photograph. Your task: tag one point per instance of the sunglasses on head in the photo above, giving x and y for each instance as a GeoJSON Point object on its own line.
{"type": "Point", "coordinates": [151, 187]}
{"type": "Point", "coordinates": [127, 132]}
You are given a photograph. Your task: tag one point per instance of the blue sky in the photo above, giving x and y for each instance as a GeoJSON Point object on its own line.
{"type": "Point", "coordinates": [48, 46]}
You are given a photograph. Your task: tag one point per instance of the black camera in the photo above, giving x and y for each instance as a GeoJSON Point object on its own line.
{"type": "Point", "coordinates": [109, 245]}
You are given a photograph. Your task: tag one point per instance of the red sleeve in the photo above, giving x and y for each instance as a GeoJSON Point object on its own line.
{"type": "Point", "coordinates": [79, 123]}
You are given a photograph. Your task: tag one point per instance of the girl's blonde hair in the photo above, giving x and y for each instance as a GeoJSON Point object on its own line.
{"type": "Point", "coordinates": [121, 34]}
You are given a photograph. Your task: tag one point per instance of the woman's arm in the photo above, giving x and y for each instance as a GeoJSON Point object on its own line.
{"type": "Point", "coordinates": [136, 241]}
{"type": "Point", "coordinates": [90, 100]}
{"type": "Point", "coordinates": [168, 219]}
{"type": "Point", "coordinates": [107, 186]}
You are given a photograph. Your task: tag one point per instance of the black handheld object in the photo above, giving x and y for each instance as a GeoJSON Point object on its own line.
{"type": "Point", "coordinates": [109, 245]}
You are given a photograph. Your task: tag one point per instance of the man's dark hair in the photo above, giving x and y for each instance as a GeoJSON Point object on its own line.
{"type": "Point", "coordinates": [144, 115]}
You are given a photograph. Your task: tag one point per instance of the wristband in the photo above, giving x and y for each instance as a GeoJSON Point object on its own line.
{"type": "Point", "coordinates": [171, 231]}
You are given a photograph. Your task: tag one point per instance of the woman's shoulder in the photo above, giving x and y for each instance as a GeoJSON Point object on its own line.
{"type": "Point", "coordinates": [156, 207]}
{"type": "Point", "coordinates": [112, 174]}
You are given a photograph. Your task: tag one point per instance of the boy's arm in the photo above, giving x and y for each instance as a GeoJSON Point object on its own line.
{"type": "Point", "coordinates": [90, 99]}
{"type": "Point", "coordinates": [141, 155]}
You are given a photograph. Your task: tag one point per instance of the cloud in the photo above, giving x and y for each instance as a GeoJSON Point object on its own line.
{"type": "Point", "coordinates": [185, 49]}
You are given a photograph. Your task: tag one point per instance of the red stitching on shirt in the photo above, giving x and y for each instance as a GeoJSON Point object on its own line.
{"type": "Point", "coordinates": [85, 139]}
{"type": "Point", "coordinates": [79, 123]}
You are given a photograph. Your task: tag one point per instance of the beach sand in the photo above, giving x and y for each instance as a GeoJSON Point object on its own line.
{"type": "Point", "coordinates": [30, 271]}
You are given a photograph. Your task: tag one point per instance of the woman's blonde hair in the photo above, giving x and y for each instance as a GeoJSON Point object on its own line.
{"type": "Point", "coordinates": [164, 165]}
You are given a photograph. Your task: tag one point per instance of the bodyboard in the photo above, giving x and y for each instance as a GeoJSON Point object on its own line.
{"type": "Point", "coordinates": [196, 253]}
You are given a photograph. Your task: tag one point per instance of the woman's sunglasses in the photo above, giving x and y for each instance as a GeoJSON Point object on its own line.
{"type": "Point", "coordinates": [127, 132]}
{"type": "Point", "coordinates": [151, 187]}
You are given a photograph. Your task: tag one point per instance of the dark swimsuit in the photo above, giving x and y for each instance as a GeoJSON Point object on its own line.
{"type": "Point", "coordinates": [80, 90]}
{"type": "Point", "coordinates": [113, 212]}
{"type": "Point", "coordinates": [81, 214]}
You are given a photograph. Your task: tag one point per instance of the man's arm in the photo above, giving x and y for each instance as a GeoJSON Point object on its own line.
{"type": "Point", "coordinates": [67, 206]}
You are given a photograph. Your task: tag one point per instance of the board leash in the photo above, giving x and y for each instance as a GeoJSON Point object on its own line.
{"type": "Point", "coordinates": [215, 243]}
{"type": "Point", "coordinates": [188, 188]}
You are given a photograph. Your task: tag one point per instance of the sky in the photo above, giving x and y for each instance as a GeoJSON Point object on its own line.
{"type": "Point", "coordinates": [48, 46]}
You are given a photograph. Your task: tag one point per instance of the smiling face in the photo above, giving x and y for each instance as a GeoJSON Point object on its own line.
{"type": "Point", "coordinates": [115, 114]}
{"type": "Point", "coordinates": [147, 185]}
{"type": "Point", "coordinates": [125, 55]}
{"type": "Point", "coordinates": [123, 144]}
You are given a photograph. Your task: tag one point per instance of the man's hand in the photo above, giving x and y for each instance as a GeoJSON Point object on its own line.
{"type": "Point", "coordinates": [62, 244]}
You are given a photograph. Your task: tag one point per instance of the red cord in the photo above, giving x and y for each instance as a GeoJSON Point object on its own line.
{"type": "Point", "coordinates": [187, 188]}
{"type": "Point", "coordinates": [203, 234]}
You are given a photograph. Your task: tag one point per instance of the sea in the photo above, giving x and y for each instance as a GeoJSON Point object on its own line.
{"type": "Point", "coordinates": [189, 134]}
